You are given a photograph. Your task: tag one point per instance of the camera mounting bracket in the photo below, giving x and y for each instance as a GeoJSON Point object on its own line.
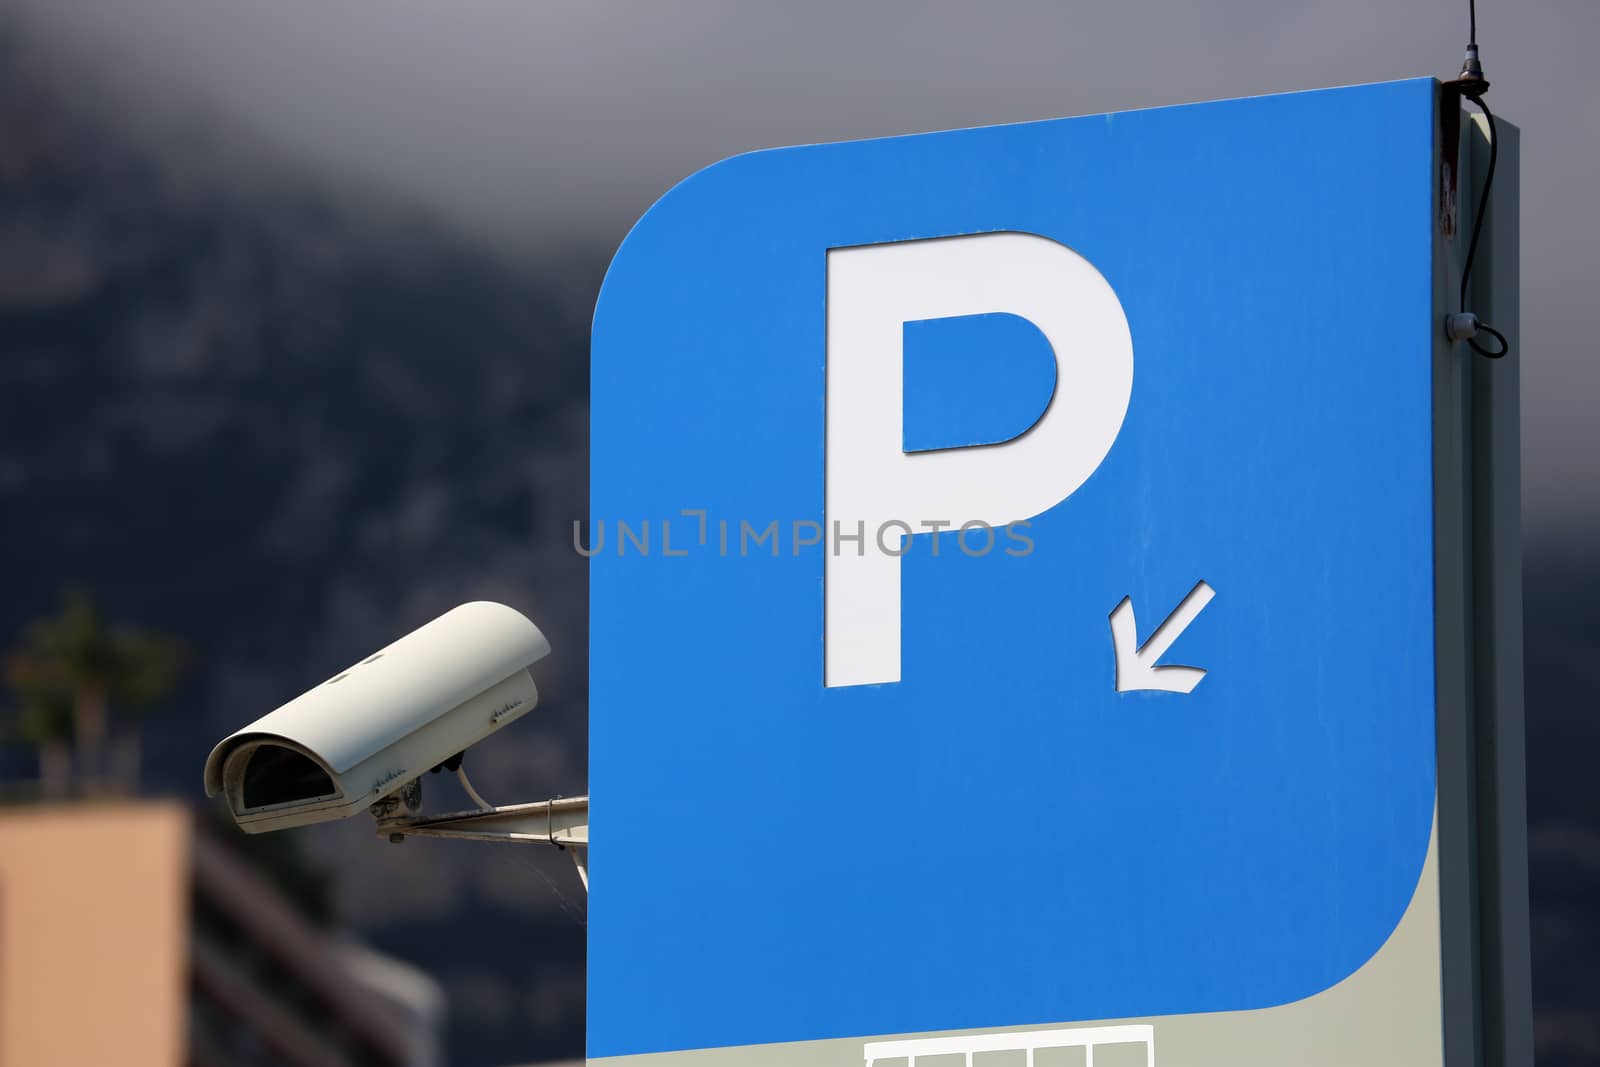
{"type": "Point", "coordinates": [562, 821]}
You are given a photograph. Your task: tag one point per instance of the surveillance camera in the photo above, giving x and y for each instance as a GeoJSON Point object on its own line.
{"type": "Point", "coordinates": [368, 732]}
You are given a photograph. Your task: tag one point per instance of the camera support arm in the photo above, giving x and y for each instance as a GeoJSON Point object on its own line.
{"type": "Point", "coordinates": [562, 822]}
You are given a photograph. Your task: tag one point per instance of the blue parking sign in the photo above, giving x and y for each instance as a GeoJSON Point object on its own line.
{"type": "Point", "coordinates": [1013, 595]}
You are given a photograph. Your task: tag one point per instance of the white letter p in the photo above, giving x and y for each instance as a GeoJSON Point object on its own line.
{"type": "Point", "coordinates": [873, 290]}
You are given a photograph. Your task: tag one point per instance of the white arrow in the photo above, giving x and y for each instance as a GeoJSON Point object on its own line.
{"type": "Point", "coordinates": [1136, 666]}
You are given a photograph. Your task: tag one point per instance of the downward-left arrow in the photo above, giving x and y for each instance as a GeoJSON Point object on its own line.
{"type": "Point", "coordinates": [1136, 664]}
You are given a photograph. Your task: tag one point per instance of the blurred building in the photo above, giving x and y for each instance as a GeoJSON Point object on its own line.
{"type": "Point", "coordinates": [128, 937]}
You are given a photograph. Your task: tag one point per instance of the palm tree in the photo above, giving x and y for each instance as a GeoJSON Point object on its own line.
{"type": "Point", "coordinates": [149, 667]}
{"type": "Point", "coordinates": [75, 651]}
{"type": "Point", "coordinates": [42, 717]}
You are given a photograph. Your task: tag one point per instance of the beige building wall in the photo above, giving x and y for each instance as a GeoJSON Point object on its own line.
{"type": "Point", "coordinates": [94, 918]}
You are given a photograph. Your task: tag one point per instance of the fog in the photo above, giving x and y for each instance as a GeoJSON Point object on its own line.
{"type": "Point", "coordinates": [547, 127]}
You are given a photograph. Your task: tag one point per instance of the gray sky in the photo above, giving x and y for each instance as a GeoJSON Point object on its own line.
{"type": "Point", "coordinates": [552, 124]}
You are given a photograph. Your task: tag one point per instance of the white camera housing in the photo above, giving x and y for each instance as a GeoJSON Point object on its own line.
{"type": "Point", "coordinates": [369, 731]}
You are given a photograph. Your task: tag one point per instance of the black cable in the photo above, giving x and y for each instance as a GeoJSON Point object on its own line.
{"type": "Point", "coordinates": [1483, 199]}
{"type": "Point", "coordinates": [1484, 327]}
{"type": "Point", "coordinates": [1471, 85]}
{"type": "Point", "coordinates": [1477, 231]}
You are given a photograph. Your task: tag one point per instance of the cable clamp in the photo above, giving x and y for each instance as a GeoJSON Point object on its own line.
{"type": "Point", "coordinates": [1462, 326]}
{"type": "Point", "coordinates": [1465, 326]}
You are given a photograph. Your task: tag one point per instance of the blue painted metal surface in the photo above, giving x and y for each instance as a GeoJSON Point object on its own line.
{"type": "Point", "coordinates": [973, 380]}
{"type": "Point", "coordinates": [1001, 837]}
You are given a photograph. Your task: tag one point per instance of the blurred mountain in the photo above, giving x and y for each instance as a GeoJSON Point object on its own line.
{"type": "Point", "coordinates": [289, 430]}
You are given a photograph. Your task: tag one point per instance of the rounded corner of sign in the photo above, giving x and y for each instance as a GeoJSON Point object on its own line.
{"type": "Point", "coordinates": [1418, 908]}
{"type": "Point", "coordinates": [669, 202]}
